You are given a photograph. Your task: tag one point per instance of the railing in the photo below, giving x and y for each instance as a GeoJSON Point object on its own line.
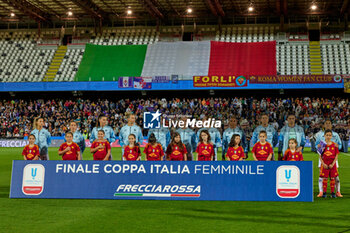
{"type": "Point", "coordinates": [49, 41]}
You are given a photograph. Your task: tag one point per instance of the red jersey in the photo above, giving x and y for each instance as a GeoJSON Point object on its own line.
{"type": "Point", "coordinates": [153, 153]}
{"type": "Point", "coordinates": [205, 152]}
{"type": "Point", "coordinates": [72, 154]}
{"type": "Point", "coordinates": [329, 153]}
{"type": "Point", "coordinates": [235, 153]}
{"type": "Point", "coordinates": [30, 152]}
{"type": "Point", "coordinates": [292, 156]}
{"type": "Point", "coordinates": [132, 153]}
{"type": "Point", "coordinates": [100, 154]}
{"type": "Point", "coordinates": [262, 151]}
{"type": "Point", "coordinates": [176, 153]}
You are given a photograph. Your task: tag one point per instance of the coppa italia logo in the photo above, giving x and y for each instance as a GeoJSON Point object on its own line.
{"type": "Point", "coordinates": [151, 120]}
{"type": "Point", "coordinates": [33, 179]}
{"type": "Point", "coordinates": [288, 181]}
{"type": "Point", "coordinates": [149, 190]}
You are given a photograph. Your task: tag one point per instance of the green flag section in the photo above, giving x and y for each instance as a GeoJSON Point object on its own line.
{"type": "Point", "coordinates": [108, 63]}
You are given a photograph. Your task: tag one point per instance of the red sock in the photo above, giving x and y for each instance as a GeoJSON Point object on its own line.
{"type": "Point", "coordinates": [325, 181]}
{"type": "Point", "coordinates": [332, 183]}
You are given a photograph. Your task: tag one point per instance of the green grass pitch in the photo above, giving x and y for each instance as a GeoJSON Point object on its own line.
{"type": "Point", "coordinates": [51, 215]}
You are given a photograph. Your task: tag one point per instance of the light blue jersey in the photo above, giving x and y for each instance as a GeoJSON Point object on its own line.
{"type": "Point", "coordinates": [162, 135]}
{"type": "Point", "coordinates": [272, 135]}
{"type": "Point", "coordinates": [126, 130]}
{"type": "Point", "coordinates": [287, 133]}
{"type": "Point", "coordinates": [109, 134]}
{"type": "Point", "coordinates": [335, 138]}
{"type": "Point", "coordinates": [42, 138]}
{"type": "Point", "coordinates": [188, 136]}
{"type": "Point", "coordinates": [226, 138]}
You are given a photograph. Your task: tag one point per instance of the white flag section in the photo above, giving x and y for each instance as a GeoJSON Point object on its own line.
{"type": "Point", "coordinates": [183, 58]}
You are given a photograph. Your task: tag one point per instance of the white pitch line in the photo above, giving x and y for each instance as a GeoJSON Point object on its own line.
{"type": "Point", "coordinates": [347, 154]}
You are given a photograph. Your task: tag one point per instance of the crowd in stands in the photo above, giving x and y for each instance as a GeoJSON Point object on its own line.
{"type": "Point", "coordinates": [16, 116]}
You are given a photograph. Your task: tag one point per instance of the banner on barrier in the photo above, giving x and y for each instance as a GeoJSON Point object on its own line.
{"type": "Point", "coordinates": [291, 79]}
{"type": "Point", "coordinates": [219, 81]}
{"type": "Point", "coordinates": [346, 84]}
{"type": "Point", "coordinates": [240, 181]}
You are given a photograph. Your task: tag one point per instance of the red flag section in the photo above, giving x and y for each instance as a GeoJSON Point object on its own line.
{"type": "Point", "coordinates": [228, 58]}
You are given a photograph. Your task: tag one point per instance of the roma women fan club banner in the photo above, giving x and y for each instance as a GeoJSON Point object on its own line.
{"type": "Point", "coordinates": [244, 81]}
{"type": "Point", "coordinates": [221, 181]}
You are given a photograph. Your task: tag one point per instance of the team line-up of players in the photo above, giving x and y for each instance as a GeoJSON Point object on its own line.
{"type": "Point", "coordinates": [177, 150]}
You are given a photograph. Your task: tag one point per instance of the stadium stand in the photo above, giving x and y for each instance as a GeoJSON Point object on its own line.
{"type": "Point", "coordinates": [246, 34]}
{"type": "Point", "coordinates": [335, 57]}
{"type": "Point", "coordinates": [45, 58]}
{"type": "Point", "coordinates": [70, 63]}
{"type": "Point", "coordinates": [21, 59]}
{"type": "Point", "coordinates": [126, 37]}
{"type": "Point", "coordinates": [292, 59]}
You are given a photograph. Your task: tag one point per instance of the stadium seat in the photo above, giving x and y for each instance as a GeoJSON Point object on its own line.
{"type": "Point", "coordinates": [21, 58]}
{"type": "Point", "coordinates": [252, 34]}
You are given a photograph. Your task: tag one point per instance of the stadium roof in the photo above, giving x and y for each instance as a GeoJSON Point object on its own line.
{"type": "Point", "coordinates": [64, 10]}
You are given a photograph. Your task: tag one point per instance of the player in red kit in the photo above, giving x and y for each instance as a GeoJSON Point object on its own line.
{"type": "Point", "coordinates": [291, 153]}
{"type": "Point", "coordinates": [176, 150]}
{"type": "Point", "coordinates": [132, 151]}
{"type": "Point", "coordinates": [69, 150]}
{"type": "Point", "coordinates": [153, 150]}
{"type": "Point", "coordinates": [101, 148]}
{"type": "Point", "coordinates": [235, 151]}
{"type": "Point", "coordinates": [328, 159]}
{"type": "Point", "coordinates": [31, 151]}
{"type": "Point", "coordinates": [262, 150]}
{"type": "Point", "coordinates": [205, 148]}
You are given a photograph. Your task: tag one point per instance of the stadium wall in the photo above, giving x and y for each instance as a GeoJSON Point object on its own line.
{"type": "Point", "coordinates": [113, 86]}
